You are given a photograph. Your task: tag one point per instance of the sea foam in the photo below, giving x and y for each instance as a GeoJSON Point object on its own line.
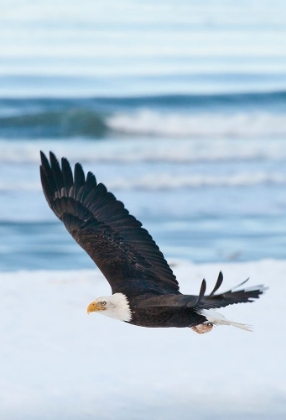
{"type": "Point", "coordinates": [252, 124]}
{"type": "Point", "coordinates": [172, 150]}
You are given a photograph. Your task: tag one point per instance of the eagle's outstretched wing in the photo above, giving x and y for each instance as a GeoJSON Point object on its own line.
{"type": "Point", "coordinates": [229, 297]}
{"type": "Point", "coordinates": [203, 301]}
{"type": "Point", "coordinates": [124, 251]}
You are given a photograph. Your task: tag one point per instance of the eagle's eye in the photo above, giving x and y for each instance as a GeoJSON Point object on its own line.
{"type": "Point", "coordinates": [103, 303]}
{"type": "Point", "coordinates": [209, 324]}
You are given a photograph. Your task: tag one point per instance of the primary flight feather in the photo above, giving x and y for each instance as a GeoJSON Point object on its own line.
{"type": "Point", "coordinates": [145, 291]}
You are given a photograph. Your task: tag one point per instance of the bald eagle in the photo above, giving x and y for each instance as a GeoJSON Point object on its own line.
{"type": "Point", "coordinates": [145, 291]}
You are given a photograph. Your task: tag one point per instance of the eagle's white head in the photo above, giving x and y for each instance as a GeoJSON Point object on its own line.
{"type": "Point", "coordinates": [115, 306]}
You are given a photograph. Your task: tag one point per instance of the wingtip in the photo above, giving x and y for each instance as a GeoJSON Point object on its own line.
{"type": "Point", "coordinates": [202, 290]}
{"type": "Point", "coordinates": [241, 284]}
{"type": "Point", "coordinates": [53, 158]}
{"type": "Point", "coordinates": [64, 159]}
{"type": "Point", "coordinates": [218, 283]}
{"type": "Point", "coordinates": [260, 288]}
{"type": "Point", "coordinates": [45, 160]}
{"type": "Point", "coordinates": [43, 157]}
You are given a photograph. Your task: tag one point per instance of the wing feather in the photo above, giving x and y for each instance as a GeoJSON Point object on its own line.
{"type": "Point", "coordinates": [230, 297]}
{"type": "Point", "coordinates": [68, 176]}
{"type": "Point", "coordinates": [203, 301]}
{"type": "Point", "coordinates": [115, 240]}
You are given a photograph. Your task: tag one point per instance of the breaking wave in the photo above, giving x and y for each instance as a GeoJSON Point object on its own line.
{"type": "Point", "coordinates": [90, 124]}
{"type": "Point", "coordinates": [228, 115]}
{"type": "Point", "coordinates": [200, 125]}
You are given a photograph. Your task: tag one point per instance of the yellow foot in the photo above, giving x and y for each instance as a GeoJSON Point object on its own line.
{"type": "Point", "coordinates": [203, 328]}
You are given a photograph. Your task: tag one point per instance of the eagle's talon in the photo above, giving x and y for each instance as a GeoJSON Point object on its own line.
{"type": "Point", "coordinates": [203, 328]}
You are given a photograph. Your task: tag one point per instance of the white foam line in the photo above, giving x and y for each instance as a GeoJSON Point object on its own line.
{"type": "Point", "coordinates": [167, 181]}
{"type": "Point", "coordinates": [147, 122]}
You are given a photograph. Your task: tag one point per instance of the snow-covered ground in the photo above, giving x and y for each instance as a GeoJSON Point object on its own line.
{"type": "Point", "coordinates": [59, 363]}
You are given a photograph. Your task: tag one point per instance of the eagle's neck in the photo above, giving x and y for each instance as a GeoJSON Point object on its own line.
{"type": "Point", "coordinates": [118, 307]}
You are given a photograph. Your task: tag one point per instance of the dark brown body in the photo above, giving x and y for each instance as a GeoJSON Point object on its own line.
{"type": "Point", "coordinates": [165, 317]}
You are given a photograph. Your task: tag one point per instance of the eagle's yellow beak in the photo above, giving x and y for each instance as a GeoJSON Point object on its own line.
{"type": "Point", "coordinates": [93, 307]}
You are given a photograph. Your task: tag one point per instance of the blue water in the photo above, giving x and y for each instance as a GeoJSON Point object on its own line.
{"type": "Point", "coordinates": [179, 107]}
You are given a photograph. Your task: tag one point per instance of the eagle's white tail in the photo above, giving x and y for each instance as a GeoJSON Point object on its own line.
{"type": "Point", "coordinates": [218, 319]}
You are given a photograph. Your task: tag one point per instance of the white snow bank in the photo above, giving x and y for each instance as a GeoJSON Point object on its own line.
{"type": "Point", "coordinates": [59, 363]}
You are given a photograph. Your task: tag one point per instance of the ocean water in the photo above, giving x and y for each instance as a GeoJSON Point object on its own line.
{"type": "Point", "coordinates": [179, 107]}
